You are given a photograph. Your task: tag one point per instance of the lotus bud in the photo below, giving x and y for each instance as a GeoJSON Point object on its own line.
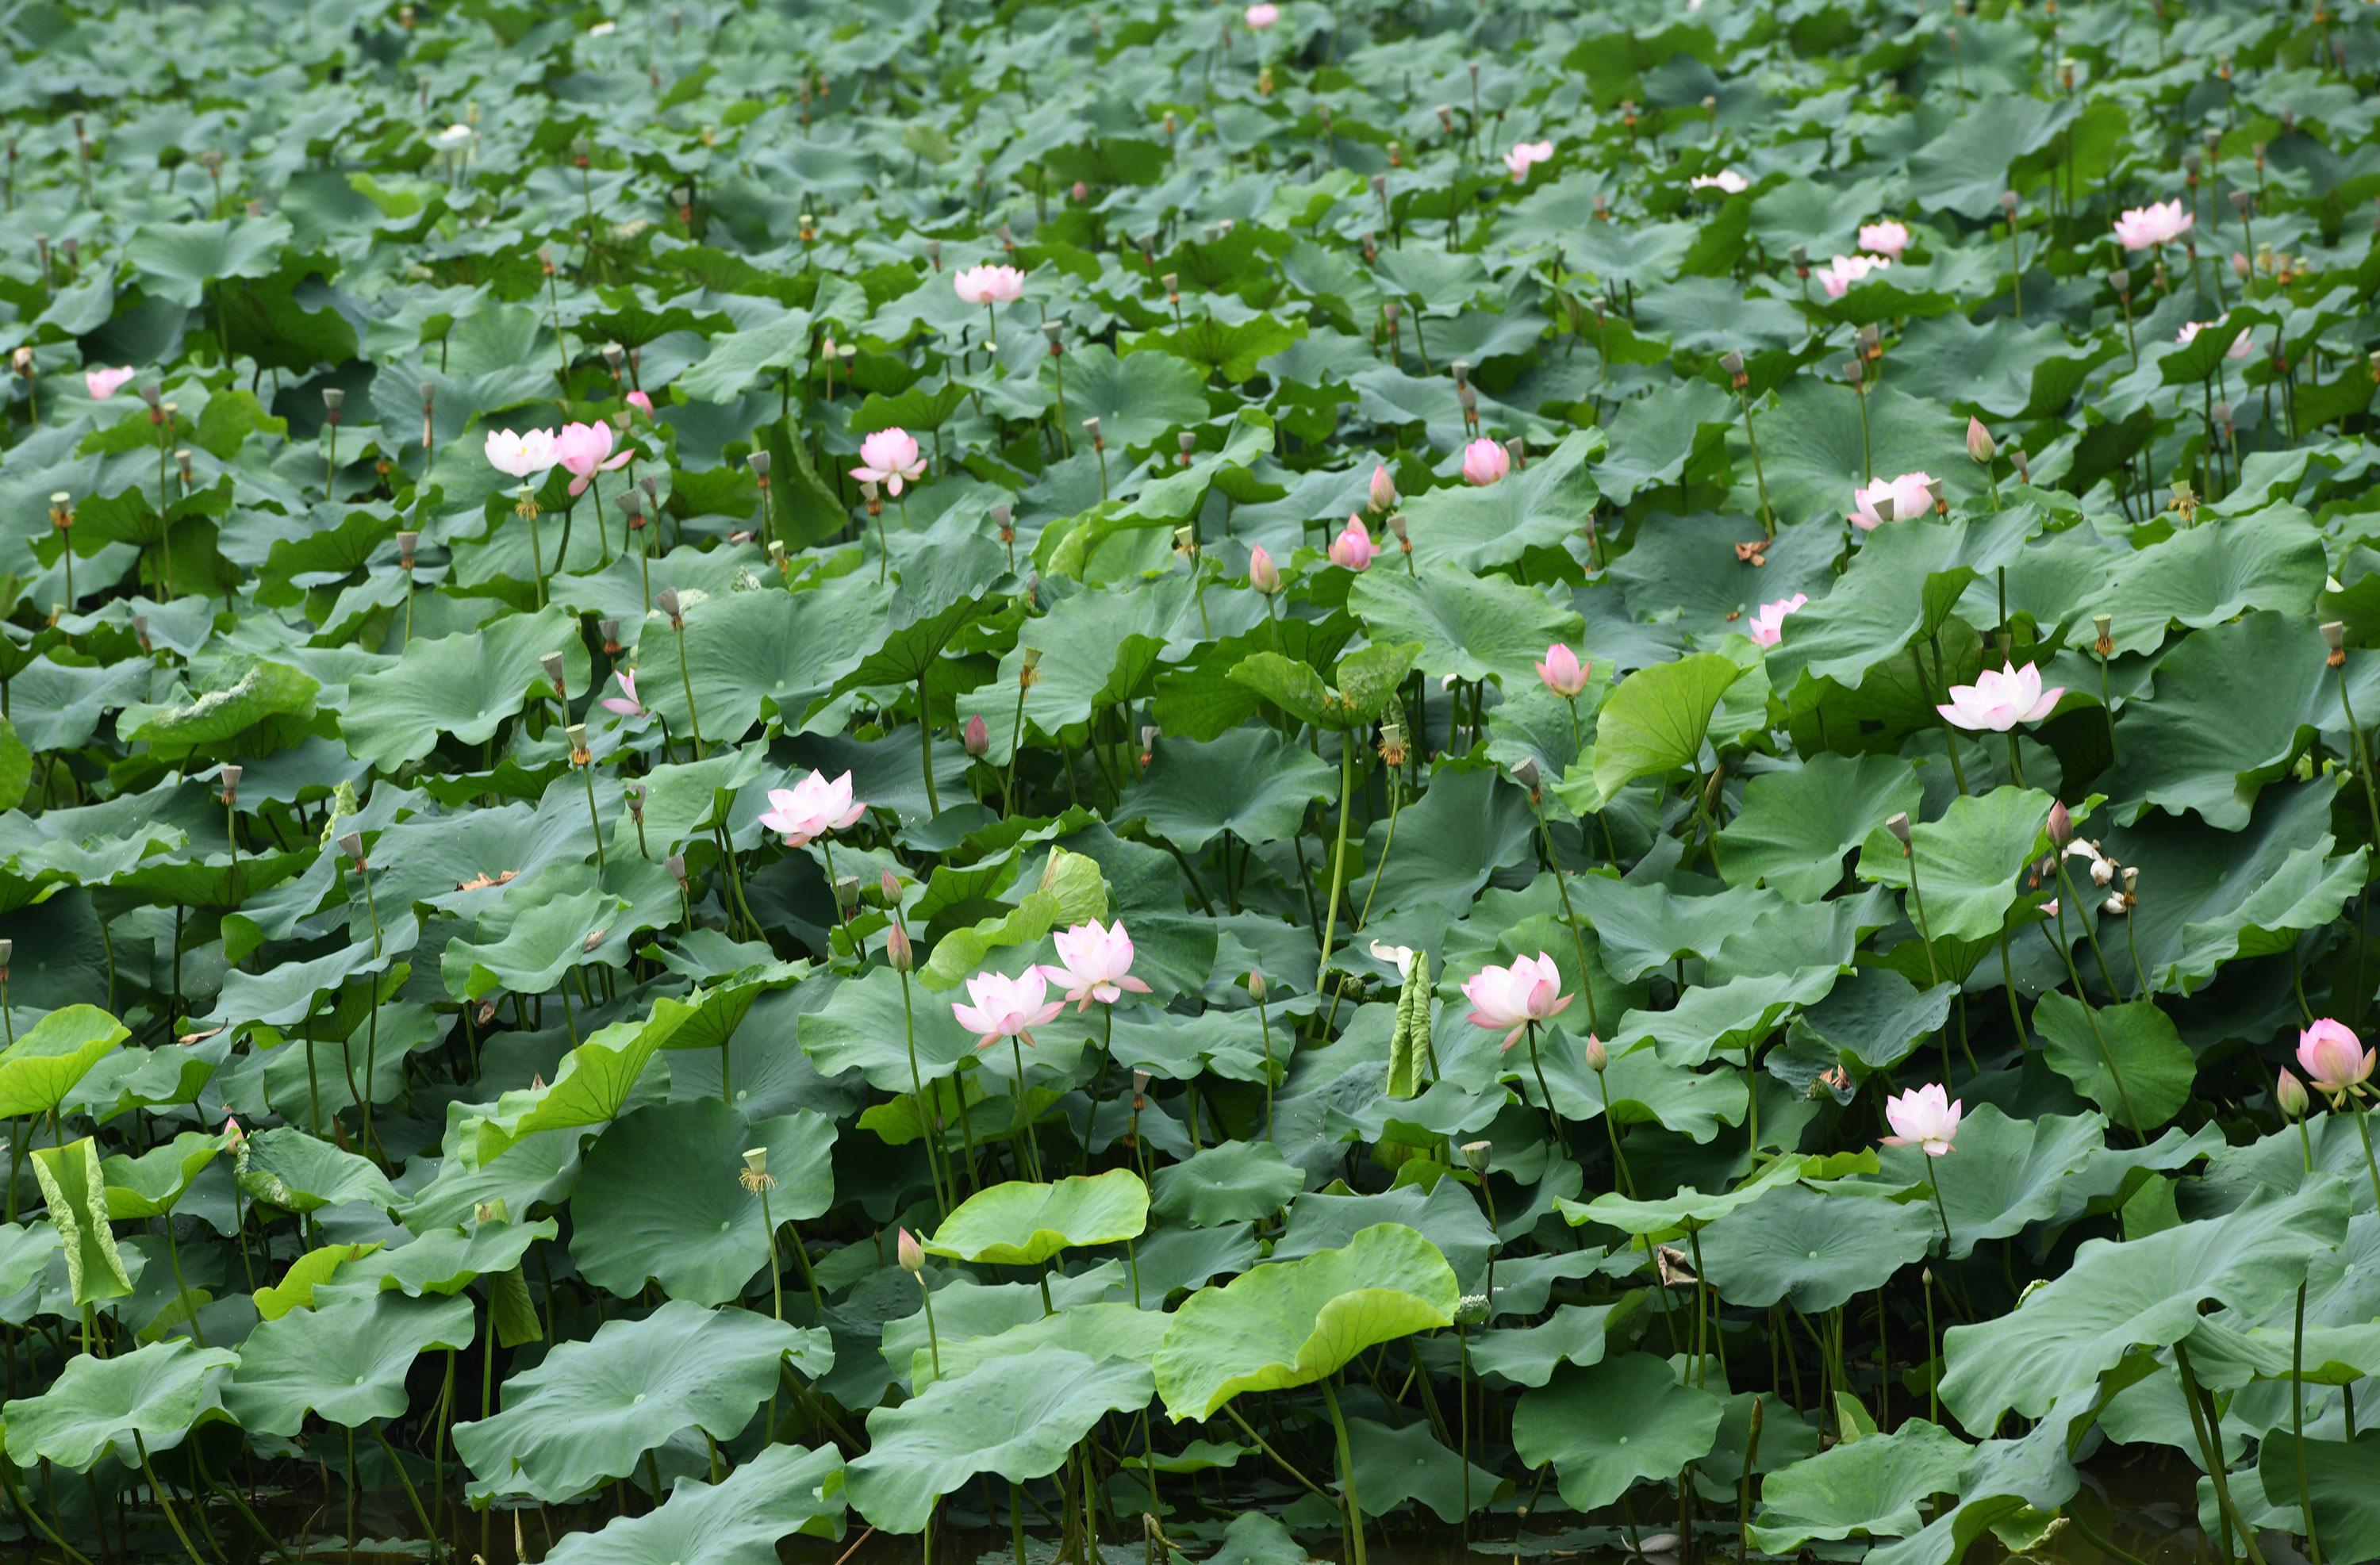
{"type": "Point", "coordinates": [974, 738]}
{"type": "Point", "coordinates": [1003, 517]}
{"type": "Point", "coordinates": [406, 542]}
{"type": "Point", "coordinates": [1476, 1154]}
{"type": "Point", "coordinates": [676, 865]}
{"type": "Point", "coordinates": [553, 664]}
{"type": "Point", "coordinates": [230, 776]}
{"type": "Point", "coordinates": [2290, 1094]}
{"type": "Point", "coordinates": [899, 954]}
{"type": "Point", "coordinates": [1898, 826]}
{"type": "Point", "coordinates": [1598, 1059]}
{"type": "Point", "coordinates": [1397, 527]}
{"type": "Point", "coordinates": [1257, 987]}
{"type": "Point", "coordinates": [847, 893]}
{"type": "Point", "coordinates": [1980, 444]}
{"type": "Point", "coordinates": [8, 954]}
{"type": "Point", "coordinates": [1150, 733]}
{"type": "Point", "coordinates": [2104, 625]}
{"type": "Point", "coordinates": [352, 844]}
{"type": "Point", "coordinates": [912, 1254]}
{"type": "Point", "coordinates": [1383, 490]}
{"type": "Point", "coordinates": [2334, 635]}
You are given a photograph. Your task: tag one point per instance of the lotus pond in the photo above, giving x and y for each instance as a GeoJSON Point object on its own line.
{"type": "Point", "coordinates": [1346, 779]}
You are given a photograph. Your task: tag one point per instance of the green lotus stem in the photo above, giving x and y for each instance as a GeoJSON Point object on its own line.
{"type": "Point", "coordinates": [1577, 935]}
{"type": "Point", "coordinates": [933, 1338]}
{"type": "Point", "coordinates": [527, 511]}
{"type": "Point", "coordinates": [413, 1496]}
{"type": "Point", "coordinates": [2362, 758]}
{"type": "Point", "coordinates": [1353, 1508]}
{"type": "Point", "coordinates": [925, 729]}
{"type": "Point", "coordinates": [2363, 1129]}
{"type": "Point", "coordinates": [1339, 853]}
{"type": "Point", "coordinates": [593, 818]}
{"type": "Point", "coordinates": [1016, 745]}
{"type": "Point", "coordinates": [2090, 932]}
{"type": "Point", "coordinates": [1917, 903]}
{"type": "Point", "coordinates": [693, 718]}
{"type": "Point", "coordinates": [1933, 1375]}
{"type": "Point", "coordinates": [182, 1289]}
{"type": "Point", "coordinates": [2092, 1016]}
{"type": "Point", "coordinates": [165, 1501]}
{"type": "Point", "coordinates": [2297, 1424]}
{"type": "Point", "coordinates": [1281, 1462]}
{"type": "Point", "coordinates": [1264, 1020]}
{"type": "Point", "coordinates": [1627, 1179]}
{"type": "Point", "coordinates": [1767, 512]}
{"type": "Point", "coordinates": [8, 1477]}
{"type": "Point", "coordinates": [1949, 740]}
{"type": "Point", "coordinates": [231, 1498]}
{"type": "Point", "coordinates": [927, 1128]}
{"type": "Point", "coordinates": [1031, 1144]}
{"type": "Point", "coordinates": [2207, 1426]}
{"type": "Point", "coordinates": [2007, 982]}
{"type": "Point", "coordinates": [438, 1448]}
{"type": "Point", "coordinates": [776, 1267]}
{"type": "Point", "coordinates": [1935, 1185]}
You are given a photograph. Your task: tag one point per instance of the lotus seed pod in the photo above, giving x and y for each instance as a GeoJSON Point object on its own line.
{"type": "Point", "coordinates": [1898, 826]}
{"type": "Point", "coordinates": [553, 664]}
{"type": "Point", "coordinates": [1475, 1153]}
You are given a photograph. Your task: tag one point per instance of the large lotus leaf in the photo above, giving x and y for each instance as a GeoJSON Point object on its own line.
{"type": "Point", "coordinates": [738, 359]}
{"type": "Point", "coordinates": [542, 1168]}
{"type": "Point", "coordinates": [25, 1252]}
{"type": "Point", "coordinates": [94, 1404]}
{"type": "Point", "coordinates": [1446, 1213]}
{"type": "Point", "coordinates": [1250, 783]}
{"type": "Point", "coordinates": [545, 941]}
{"type": "Point", "coordinates": [1654, 721]}
{"type": "Point", "coordinates": [2128, 1058]}
{"type": "Point", "coordinates": [1537, 506]}
{"type": "Point", "coordinates": [658, 1197]}
{"type": "Point", "coordinates": [1871, 1486]}
{"type": "Point", "coordinates": [1811, 452]}
{"type": "Point", "coordinates": [56, 706]}
{"type": "Point", "coordinates": [2003, 1174]}
{"type": "Point", "coordinates": [1101, 1331]}
{"type": "Point", "coordinates": [298, 1172]}
{"type": "Point", "coordinates": [1607, 1426]}
{"type": "Point", "coordinates": [285, 994]}
{"type": "Point", "coordinates": [2234, 706]}
{"type": "Point", "coordinates": [447, 1260]}
{"type": "Point", "coordinates": [1021, 1223]}
{"type": "Point", "coordinates": [1394, 1466]}
{"type": "Point", "coordinates": [2341, 1477]}
{"type": "Point", "coordinates": [1471, 627]}
{"type": "Point", "coordinates": [1966, 166]}
{"type": "Point", "coordinates": [590, 1409]}
{"type": "Point", "coordinates": [1657, 439]}
{"type": "Point", "coordinates": [2002, 367]}
{"type": "Point", "coordinates": [262, 690]}
{"type": "Point", "coordinates": [2146, 1293]}
{"type": "Point", "coordinates": [1902, 585]}
{"type": "Point", "coordinates": [345, 1362]}
{"type": "Point", "coordinates": [59, 1050]}
{"type": "Point", "coordinates": [1233, 1183]}
{"type": "Point", "coordinates": [1528, 1355]}
{"type": "Point", "coordinates": [1099, 647]}
{"type": "Point", "coordinates": [1796, 826]}
{"type": "Point", "coordinates": [749, 653]}
{"type": "Point", "coordinates": [1017, 1418]}
{"type": "Point", "coordinates": [467, 685]}
{"type": "Point", "coordinates": [1967, 862]}
{"type": "Point", "coordinates": [863, 1025]}
{"type": "Point", "coordinates": [176, 261]}
{"type": "Point", "coordinates": [785, 1491]}
{"type": "Point", "coordinates": [1294, 1322]}
{"type": "Point", "coordinates": [2217, 571]}
{"type": "Point", "coordinates": [1876, 1016]}
{"type": "Point", "coordinates": [592, 1084]}
{"type": "Point", "coordinates": [1684, 1206]}
{"type": "Point", "coordinates": [295, 1289]}
{"type": "Point", "coordinates": [1817, 1249]}
{"type": "Point", "coordinates": [1645, 927]}
{"type": "Point", "coordinates": [75, 1189]}
{"type": "Point", "coordinates": [149, 1185]}
{"type": "Point", "coordinates": [1137, 398]}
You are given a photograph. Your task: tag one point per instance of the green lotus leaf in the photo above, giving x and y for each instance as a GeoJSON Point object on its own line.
{"type": "Point", "coordinates": [1529, 1355]}
{"type": "Point", "coordinates": [2015, 1177]}
{"type": "Point", "coordinates": [149, 1185]}
{"type": "Point", "coordinates": [75, 1187]}
{"type": "Point", "coordinates": [1819, 1250]}
{"type": "Point", "coordinates": [345, 1362]}
{"type": "Point", "coordinates": [466, 685]}
{"type": "Point", "coordinates": [176, 261]}
{"type": "Point", "coordinates": [1097, 1331]}
{"type": "Point", "coordinates": [1967, 863]}
{"type": "Point", "coordinates": [1537, 508]}
{"type": "Point", "coordinates": [1871, 1487]}
{"type": "Point", "coordinates": [591, 1086]}
{"type": "Point", "coordinates": [1020, 1223]}
{"type": "Point", "coordinates": [1248, 782]}
{"type": "Point", "coordinates": [42, 1067]}
{"type": "Point", "coordinates": [302, 1173]}
{"type": "Point", "coordinates": [2128, 1058]}
{"type": "Point", "coordinates": [785, 1491]}
{"type": "Point", "coordinates": [1606, 1427]}
{"type": "Point", "coordinates": [1470, 627]}
{"type": "Point", "coordinates": [1654, 721]}
{"type": "Point", "coordinates": [152, 1394]}
{"type": "Point", "coordinates": [2339, 1476]}
{"type": "Point", "coordinates": [1233, 1183]}
{"type": "Point", "coordinates": [1796, 826]}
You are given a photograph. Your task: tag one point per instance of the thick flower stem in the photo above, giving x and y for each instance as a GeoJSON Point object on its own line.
{"type": "Point", "coordinates": [1767, 512]}
{"type": "Point", "coordinates": [1935, 1185]}
{"type": "Point", "coordinates": [1578, 936]}
{"type": "Point", "coordinates": [1339, 854]}
{"type": "Point", "coordinates": [1347, 1473]}
{"type": "Point", "coordinates": [166, 1504]}
{"type": "Point", "coordinates": [2297, 1426]}
{"type": "Point", "coordinates": [2364, 1128]}
{"type": "Point", "coordinates": [928, 1126]}
{"type": "Point", "coordinates": [926, 733]}
{"type": "Point", "coordinates": [2207, 1425]}
{"type": "Point", "coordinates": [1015, 744]}
{"type": "Point", "coordinates": [693, 718]}
{"type": "Point", "coordinates": [2091, 1016]}
{"type": "Point", "coordinates": [1030, 1148]}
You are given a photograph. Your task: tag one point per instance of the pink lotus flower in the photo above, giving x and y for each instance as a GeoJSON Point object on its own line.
{"type": "Point", "coordinates": [1262, 15]}
{"type": "Point", "coordinates": [1999, 699]}
{"type": "Point", "coordinates": [2334, 1058]}
{"type": "Point", "coordinates": [524, 457]}
{"type": "Point", "coordinates": [1768, 625]}
{"type": "Point", "coordinates": [1563, 672]}
{"type": "Point", "coordinates": [1845, 270]}
{"type": "Point", "coordinates": [1522, 154]}
{"type": "Point", "coordinates": [2159, 223]}
{"type": "Point", "coordinates": [1926, 1116]}
{"type": "Point", "coordinates": [2240, 346]}
{"type": "Point", "coordinates": [1485, 462]}
{"type": "Point", "coordinates": [585, 450]}
{"type": "Point", "coordinates": [626, 704]}
{"type": "Point", "coordinates": [104, 383]}
{"type": "Point", "coordinates": [989, 284]}
{"type": "Point", "coordinates": [1726, 179]}
{"type": "Point", "coordinates": [1529, 990]}
{"type": "Point", "coordinates": [1383, 492]}
{"type": "Point", "coordinates": [1354, 547]}
{"type": "Point", "coordinates": [811, 809]}
{"type": "Point", "coordinates": [1263, 575]}
{"type": "Point", "coordinates": [1908, 493]}
{"type": "Point", "coordinates": [641, 403]}
{"type": "Point", "coordinates": [1886, 239]}
{"type": "Point", "coordinates": [888, 456]}
{"type": "Point", "coordinates": [1006, 1007]}
{"type": "Point", "coordinates": [1098, 965]}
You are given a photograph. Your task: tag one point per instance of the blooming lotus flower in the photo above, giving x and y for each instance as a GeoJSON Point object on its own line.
{"type": "Point", "coordinates": [625, 703]}
{"type": "Point", "coordinates": [524, 457]}
{"type": "Point", "coordinates": [104, 383]}
{"type": "Point", "coordinates": [1354, 547]}
{"type": "Point", "coordinates": [989, 284]}
{"type": "Point", "coordinates": [1263, 575]}
{"type": "Point", "coordinates": [1522, 154]}
{"type": "Point", "coordinates": [2334, 1058]}
{"type": "Point", "coordinates": [1909, 494]}
{"type": "Point", "coordinates": [1999, 699]}
{"type": "Point", "coordinates": [2159, 223]}
{"type": "Point", "coordinates": [453, 137]}
{"type": "Point", "coordinates": [1006, 1007]}
{"type": "Point", "coordinates": [1262, 15]}
{"type": "Point", "coordinates": [1886, 239]}
{"type": "Point", "coordinates": [1726, 179]}
{"type": "Point", "coordinates": [1926, 1117]}
{"type": "Point", "coordinates": [1383, 492]}
{"type": "Point", "coordinates": [1485, 462]}
{"type": "Point", "coordinates": [1768, 626]}
{"type": "Point", "coordinates": [585, 450]}
{"type": "Point", "coordinates": [811, 809]}
{"type": "Point", "coordinates": [1563, 672]}
{"type": "Point", "coordinates": [1845, 270]}
{"type": "Point", "coordinates": [1529, 990]}
{"type": "Point", "coordinates": [888, 456]}
{"type": "Point", "coordinates": [641, 402]}
{"type": "Point", "coordinates": [1098, 965]}
{"type": "Point", "coordinates": [2240, 346]}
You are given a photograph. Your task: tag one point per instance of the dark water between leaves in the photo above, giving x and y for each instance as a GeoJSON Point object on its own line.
{"type": "Point", "coordinates": [2143, 1506]}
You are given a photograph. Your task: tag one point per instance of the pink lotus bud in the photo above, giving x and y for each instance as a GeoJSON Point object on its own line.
{"type": "Point", "coordinates": [1263, 575]}
{"type": "Point", "coordinates": [1598, 1059]}
{"type": "Point", "coordinates": [1353, 547]}
{"type": "Point", "coordinates": [976, 738]}
{"type": "Point", "coordinates": [1384, 490]}
{"type": "Point", "coordinates": [1563, 672]}
{"type": "Point", "coordinates": [1082, 191]}
{"type": "Point", "coordinates": [2291, 1096]}
{"type": "Point", "coordinates": [1484, 462]}
{"type": "Point", "coordinates": [1256, 985]}
{"type": "Point", "coordinates": [912, 1254]}
{"type": "Point", "coordinates": [1980, 444]}
{"type": "Point", "coordinates": [2062, 825]}
{"type": "Point", "coordinates": [899, 954]}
